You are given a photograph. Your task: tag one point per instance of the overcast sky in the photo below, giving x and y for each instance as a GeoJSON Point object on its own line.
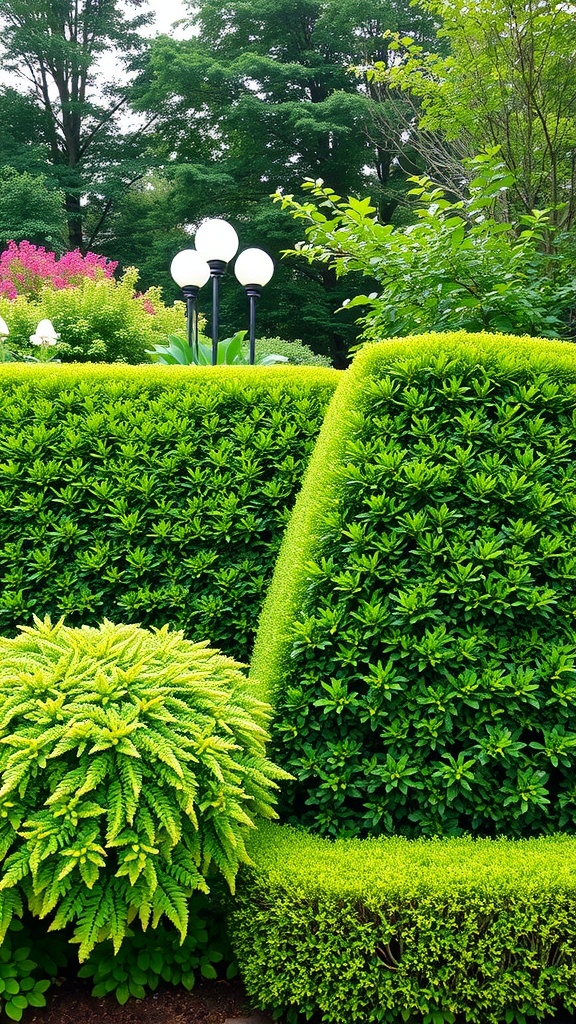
{"type": "Point", "coordinates": [166, 12]}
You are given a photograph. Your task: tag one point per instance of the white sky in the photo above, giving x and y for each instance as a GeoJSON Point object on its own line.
{"type": "Point", "coordinates": [166, 12]}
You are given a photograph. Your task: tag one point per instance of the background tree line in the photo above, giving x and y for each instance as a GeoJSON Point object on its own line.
{"type": "Point", "coordinates": [360, 93]}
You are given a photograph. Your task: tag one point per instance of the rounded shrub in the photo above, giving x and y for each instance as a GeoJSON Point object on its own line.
{"type": "Point", "coordinates": [296, 352]}
{"type": "Point", "coordinates": [419, 635]}
{"type": "Point", "coordinates": [132, 765]}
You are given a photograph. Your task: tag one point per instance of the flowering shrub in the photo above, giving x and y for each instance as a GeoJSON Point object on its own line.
{"type": "Point", "coordinates": [100, 320]}
{"type": "Point", "coordinates": [26, 269]}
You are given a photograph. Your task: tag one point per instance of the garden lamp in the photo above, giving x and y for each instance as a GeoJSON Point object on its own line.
{"type": "Point", "coordinates": [253, 269]}
{"type": "Point", "coordinates": [217, 243]}
{"type": "Point", "coordinates": [190, 272]}
{"type": "Point", "coordinates": [4, 332]}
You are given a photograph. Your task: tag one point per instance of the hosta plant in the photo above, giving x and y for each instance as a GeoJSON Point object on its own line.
{"type": "Point", "coordinates": [230, 353]}
{"type": "Point", "coordinates": [132, 765]}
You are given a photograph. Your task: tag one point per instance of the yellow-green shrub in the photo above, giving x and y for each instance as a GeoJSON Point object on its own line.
{"type": "Point", "coordinates": [98, 321]}
{"type": "Point", "coordinates": [388, 930]}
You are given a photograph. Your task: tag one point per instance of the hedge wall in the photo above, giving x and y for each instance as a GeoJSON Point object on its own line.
{"type": "Point", "coordinates": [395, 930]}
{"type": "Point", "coordinates": [150, 494]}
{"type": "Point", "coordinates": [418, 639]}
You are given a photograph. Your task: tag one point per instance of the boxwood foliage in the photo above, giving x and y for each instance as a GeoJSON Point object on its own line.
{"type": "Point", "coordinates": [150, 494]}
{"type": "Point", "coordinates": [419, 633]}
{"type": "Point", "coordinates": [387, 929]}
{"type": "Point", "coordinates": [132, 765]}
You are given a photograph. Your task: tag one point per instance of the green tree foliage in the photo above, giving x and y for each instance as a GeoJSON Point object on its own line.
{"type": "Point", "coordinates": [263, 95]}
{"type": "Point", "coordinates": [30, 208]}
{"type": "Point", "coordinates": [507, 81]}
{"type": "Point", "coordinates": [131, 763]}
{"type": "Point", "coordinates": [457, 268]}
{"type": "Point", "coordinates": [52, 48]}
{"type": "Point", "coordinates": [418, 636]}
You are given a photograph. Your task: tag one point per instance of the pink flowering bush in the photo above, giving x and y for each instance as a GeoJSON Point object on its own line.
{"type": "Point", "coordinates": [25, 269]}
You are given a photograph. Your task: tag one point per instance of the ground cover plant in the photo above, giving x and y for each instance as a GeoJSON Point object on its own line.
{"type": "Point", "coordinates": [150, 494]}
{"type": "Point", "coordinates": [418, 637]}
{"type": "Point", "coordinates": [393, 930]}
{"type": "Point", "coordinates": [132, 765]}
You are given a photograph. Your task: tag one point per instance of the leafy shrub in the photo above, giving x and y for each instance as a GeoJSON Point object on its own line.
{"type": "Point", "coordinates": [147, 958]}
{"type": "Point", "coordinates": [296, 352]}
{"type": "Point", "coordinates": [418, 636]}
{"type": "Point", "coordinates": [388, 930]}
{"type": "Point", "coordinates": [131, 761]}
{"type": "Point", "coordinates": [458, 268]}
{"type": "Point", "coordinates": [27, 968]}
{"type": "Point", "coordinates": [100, 320]}
{"type": "Point", "coordinates": [27, 269]}
{"type": "Point", "coordinates": [151, 494]}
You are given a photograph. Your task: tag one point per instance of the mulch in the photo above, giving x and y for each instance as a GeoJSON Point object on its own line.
{"type": "Point", "coordinates": [210, 1002]}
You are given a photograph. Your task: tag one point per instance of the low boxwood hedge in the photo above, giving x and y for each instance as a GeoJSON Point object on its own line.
{"type": "Point", "coordinates": [150, 494]}
{"type": "Point", "coordinates": [418, 639]}
{"type": "Point", "coordinates": [395, 930]}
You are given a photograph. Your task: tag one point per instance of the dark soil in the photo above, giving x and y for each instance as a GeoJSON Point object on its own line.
{"type": "Point", "coordinates": [211, 1002]}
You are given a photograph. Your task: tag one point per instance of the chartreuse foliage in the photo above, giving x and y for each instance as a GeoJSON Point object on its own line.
{"type": "Point", "coordinates": [131, 763]}
{"type": "Point", "coordinates": [419, 636]}
{"type": "Point", "coordinates": [482, 931]}
{"type": "Point", "coordinates": [150, 494]}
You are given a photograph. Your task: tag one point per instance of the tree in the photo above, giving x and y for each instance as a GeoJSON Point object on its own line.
{"type": "Point", "coordinates": [508, 81]}
{"type": "Point", "coordinates": [51, 48]}
{"type": "Point", "coordinates": [264, 95]}
{"type": "Point", "coordinates": [30, 208]}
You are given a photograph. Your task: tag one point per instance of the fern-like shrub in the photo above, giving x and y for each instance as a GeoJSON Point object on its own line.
{"type": "Point", "coordinates": [419, 635]}
{"type": "Point", "coordinates": [132, 763]}
{"type": "Point", "coordinates": [150, 494]}
{"type": "Point", "coordinates": [100, 320]}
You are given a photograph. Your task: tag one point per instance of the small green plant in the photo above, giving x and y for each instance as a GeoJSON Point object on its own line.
{"type": "Point", "coordinates": [230, 353]}
{"type": "Point", "coordinates": [132, 764]}
{"type": "Point", "coordinates": [145, 958]}
{"type": "Point", "coordinates": [27, 968]}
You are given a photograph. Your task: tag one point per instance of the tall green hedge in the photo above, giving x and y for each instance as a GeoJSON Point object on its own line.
{"type": "Point", "coordinates": [386, 930]}
{"type": "Point", "coordinates": [150, 494]}
{"type": "Point", "coordinates": [419, 637]}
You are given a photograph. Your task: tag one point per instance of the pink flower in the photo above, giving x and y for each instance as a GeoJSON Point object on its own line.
{"type": "Point", "coordinates": [25, 269]}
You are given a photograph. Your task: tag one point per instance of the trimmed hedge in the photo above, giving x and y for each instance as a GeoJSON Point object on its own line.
{"type": "Point", "coordinates": [390, 929]}
{"type": "Point", "coordinates": [418, 639]}
{"type": "Point", "coordinates": [150, 494]}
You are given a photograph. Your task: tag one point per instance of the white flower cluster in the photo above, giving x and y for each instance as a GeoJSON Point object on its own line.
{"type": "Point", "coordinates": [45, 334]}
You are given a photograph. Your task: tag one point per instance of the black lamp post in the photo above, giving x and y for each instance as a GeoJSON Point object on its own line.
{"type": "Point", "coordinates": [190, 272]}
{"type": "Point", "coordinates": [253, 270]}
{"type": "Point", "coordinates": [217, 243]}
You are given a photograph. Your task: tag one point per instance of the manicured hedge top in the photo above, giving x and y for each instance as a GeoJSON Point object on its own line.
{"type": "Point", "coordinates": [419, 637]}
{"type": "Point", "coordinates": [150, 494]}
{"type": "Point", "coordinates": [395, 868]}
